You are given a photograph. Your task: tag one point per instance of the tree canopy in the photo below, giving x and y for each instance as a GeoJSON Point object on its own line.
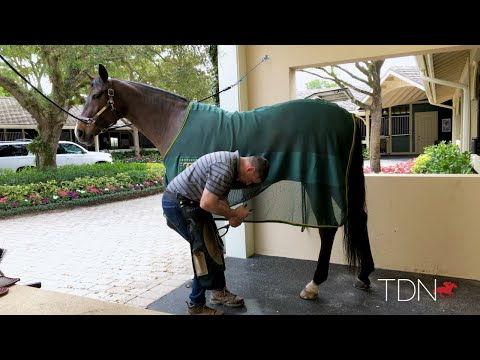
{"type": "Point", "coordinates": [4, 92]}
{"type": "Point", "coordinates": [60, 71]}
{"type": "Point", "coordinates": [320, 84]}
{"type": "Point", "coordinates": [370, 78]}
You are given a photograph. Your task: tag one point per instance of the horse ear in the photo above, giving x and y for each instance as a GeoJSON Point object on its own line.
{"type": "Point", "coordinates": [103, 72]}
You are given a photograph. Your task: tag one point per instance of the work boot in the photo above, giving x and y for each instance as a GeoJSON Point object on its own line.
{"type": "Point", "coordinates": [202, 310]}
{"type": "Point", "coordinates": [226, 298]}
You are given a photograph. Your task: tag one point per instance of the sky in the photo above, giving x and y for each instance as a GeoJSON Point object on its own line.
{"type": "Point", "coordinates": [302, 78]}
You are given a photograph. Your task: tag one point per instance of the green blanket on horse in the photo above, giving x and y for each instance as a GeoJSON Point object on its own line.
{"type": "Point", "coordinates": [307, 142]}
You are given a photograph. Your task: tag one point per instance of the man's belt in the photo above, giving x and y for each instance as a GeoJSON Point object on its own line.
{"type": "Point", "coordinates": [182, 200]}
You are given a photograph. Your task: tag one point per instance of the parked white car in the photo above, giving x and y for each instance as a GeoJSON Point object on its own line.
{"type": "Point", "coordinates": [15, 156]}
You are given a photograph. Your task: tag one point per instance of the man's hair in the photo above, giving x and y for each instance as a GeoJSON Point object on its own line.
{"type": "Point", "coordinates": [261, 166]}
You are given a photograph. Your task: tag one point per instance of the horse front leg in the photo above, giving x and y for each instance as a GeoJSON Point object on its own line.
{"type": "Point", "coordinates": [310, 291]}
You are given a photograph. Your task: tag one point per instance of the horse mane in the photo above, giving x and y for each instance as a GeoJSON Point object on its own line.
{"type": "Point", "coordinates": [155, 90]}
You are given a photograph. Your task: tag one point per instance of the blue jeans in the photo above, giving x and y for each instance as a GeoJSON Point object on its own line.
{"type": "Point", "coordinates": [172, 211]}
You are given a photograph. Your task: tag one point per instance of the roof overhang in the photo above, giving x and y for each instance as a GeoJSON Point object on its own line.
{"type": "Point", "coordinates": [447, 66]}
{"type": "Point", "coordinates": [332, 95]}
{"type": "Point", "coordinates": [398, 89]}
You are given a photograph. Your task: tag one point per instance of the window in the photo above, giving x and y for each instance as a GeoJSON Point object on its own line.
{"type": "Point", "coordinates": [13, 134]}
{"type": "Point", "coordinates": [114, 142]}
{"type": "Point", "coordinates": [13, 150]}
{"type": "Point", "coordinates": [401, 110]}
{"type": "Point", "coordinates": [66, 135]}
{"type": "Point", "coordinates": [69, 149]}
{"type": "Point", "coordinates": [5, 150]}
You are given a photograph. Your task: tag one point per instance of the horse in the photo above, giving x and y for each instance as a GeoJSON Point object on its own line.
{"type": "Point", "coordinates": [330, 180]}
{"type": "Point", "coordinates": [446, 289]}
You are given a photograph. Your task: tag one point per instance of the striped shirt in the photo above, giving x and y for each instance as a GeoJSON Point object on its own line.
{"type": "Point", "coordinates": [217, 172]}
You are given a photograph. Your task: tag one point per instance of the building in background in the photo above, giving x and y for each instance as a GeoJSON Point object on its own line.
{"type": "Point", "coordinates": [16, 123]}
{"type": "Point", "coordinates": [409, 121]}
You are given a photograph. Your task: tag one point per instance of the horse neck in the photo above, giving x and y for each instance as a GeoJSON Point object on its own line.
{"type": "Point", "coordinates": [156, 113]}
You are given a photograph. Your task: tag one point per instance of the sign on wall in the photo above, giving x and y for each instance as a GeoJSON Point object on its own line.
{"type": "Point", "coordinates": [447, 125]}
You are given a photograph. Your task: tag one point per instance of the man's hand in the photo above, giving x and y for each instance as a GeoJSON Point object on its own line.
{"type": "Point", "coordinates": [240, 214]}
{"type": "Point", "coordinates": [218, 205]}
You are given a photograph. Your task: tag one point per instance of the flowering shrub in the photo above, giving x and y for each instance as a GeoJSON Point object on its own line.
{"type": "Point", "coordinates": [400, 168]}
{"type": "Point", "coordinates": [443, 158]}
{"type": "Point", "coordinates": [146, 156]}
{"type": "Point", "coordinates": [85, 184]}
{"type": "Point", "coordinates": [13, 198]}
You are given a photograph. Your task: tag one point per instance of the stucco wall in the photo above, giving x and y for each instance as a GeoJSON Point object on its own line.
{"type": "Point", "coordinates": [417, 223]}
{"type": "Point", "coordinates": [426, 223]}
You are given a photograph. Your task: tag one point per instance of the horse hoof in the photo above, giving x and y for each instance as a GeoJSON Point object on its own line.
{"type": "Point", "coordinates": [359, 284]}
{"type": "Point", "coordinates": [308, 294]}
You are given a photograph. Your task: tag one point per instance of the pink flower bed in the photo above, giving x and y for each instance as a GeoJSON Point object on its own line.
{"type": "Point", "coordinates": [63, 195]}
{"type": "Point", "coordinates": [400, 168]}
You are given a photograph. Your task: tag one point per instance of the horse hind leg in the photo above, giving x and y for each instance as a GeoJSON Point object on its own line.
{"type": "Point", "coordinates": [367, 265]}
{"type": "Point", "coordinates": [310, 291]}
{"type": "Point", "coordinates": [366, 268]}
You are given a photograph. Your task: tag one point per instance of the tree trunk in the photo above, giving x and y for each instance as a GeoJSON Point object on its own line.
{"type": "Point", "coordinates": [45, 144]}
{"type": "Point", "coordinates": [376, 121]}
{"type": "Point", "coordinates": [136, 142]}
{"type": "Point", "coordinates": [213, 54]}
{"type": "Point", "coordinates": [376, 111]}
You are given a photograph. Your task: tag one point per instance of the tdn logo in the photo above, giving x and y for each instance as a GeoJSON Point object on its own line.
{"type": "Point", "coordinates": [446, 289]}
{"type": "Point", "coordinates": [405, 287]}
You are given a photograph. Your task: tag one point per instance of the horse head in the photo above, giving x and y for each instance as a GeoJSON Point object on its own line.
{"type": "Point", "coordinates": [449, 285]}
{"type": "Point", "coordinates": [101, 108]}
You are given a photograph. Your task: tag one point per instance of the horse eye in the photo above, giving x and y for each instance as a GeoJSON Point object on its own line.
{"type": "Point", "coordinates": [96, 96]}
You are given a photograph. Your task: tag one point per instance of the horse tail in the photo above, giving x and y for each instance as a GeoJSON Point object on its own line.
{"type": "Point", "coordinates": [356, 241]}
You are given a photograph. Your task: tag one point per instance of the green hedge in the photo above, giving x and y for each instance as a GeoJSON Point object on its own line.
{"type": "Point", "coordinates": [146, 156]}
{"type": "Point", "coordinates": [35, 190]}
{"type": "Point", "coordinates": [70, 172]}
{"type": "Point", "coordinates": [444, 158]}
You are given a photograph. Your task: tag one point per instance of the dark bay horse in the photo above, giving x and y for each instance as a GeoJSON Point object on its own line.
{"type": "Point", "coordinates": [328, 174]}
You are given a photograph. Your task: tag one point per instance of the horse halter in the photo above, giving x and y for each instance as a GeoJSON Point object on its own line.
{"type": "Point", "coordinates": [110, 103]}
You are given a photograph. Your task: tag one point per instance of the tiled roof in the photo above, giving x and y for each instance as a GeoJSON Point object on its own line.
{"type": "Point", "coordinates": [347, 104]}
{"type": "Point", "coordinates": [77, 110]}
{"type": "Point", "coordinates": [410, 72]}
{"type": "Point", "coordinates": [12, 113]}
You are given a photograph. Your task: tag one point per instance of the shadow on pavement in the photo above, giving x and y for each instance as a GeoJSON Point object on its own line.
{"type": "Point", "coordinates": [271, 286]}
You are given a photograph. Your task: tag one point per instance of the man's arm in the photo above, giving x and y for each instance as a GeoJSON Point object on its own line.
{"type": "Point", "coordinates": [218, 205]}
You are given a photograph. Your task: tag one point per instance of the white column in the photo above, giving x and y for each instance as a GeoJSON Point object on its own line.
{"type": "Point", "coordinates": [228, 75]}
{"type": "Point", "coordinates": [410, 125]}
{"type": "Point", "coordinates": [97, 143]}
{"type": "Point", "coordinates": [238, 241]}
{"type": "Point", "coordinates": [389, 144]}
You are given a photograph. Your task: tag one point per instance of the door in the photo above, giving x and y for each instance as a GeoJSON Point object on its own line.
{"type": "Point", "coordinates": [426, 129]}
